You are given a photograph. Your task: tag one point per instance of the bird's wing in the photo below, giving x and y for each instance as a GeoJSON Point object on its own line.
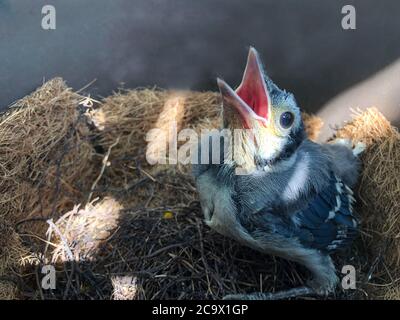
{"type": "Point", "coordinates": [328, 223]}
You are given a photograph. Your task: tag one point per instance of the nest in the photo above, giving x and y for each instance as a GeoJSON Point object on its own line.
{"type": "Point", "coordinates": [78, 192]}
{"type": "Point", "coordinates": [379, 195]}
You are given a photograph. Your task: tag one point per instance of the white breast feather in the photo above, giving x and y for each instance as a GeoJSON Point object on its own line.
{"type": "Point", "coordinates": [298, 180]}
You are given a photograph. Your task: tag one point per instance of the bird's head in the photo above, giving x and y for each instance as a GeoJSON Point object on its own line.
{"type": "Point", "coordinates": [269, 118]}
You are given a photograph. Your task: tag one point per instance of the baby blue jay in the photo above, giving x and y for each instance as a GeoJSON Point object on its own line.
{"type": "Point", "coordinates": [274, 190]}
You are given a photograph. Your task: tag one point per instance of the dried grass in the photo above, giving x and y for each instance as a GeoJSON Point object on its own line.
{"type": "Point", "coordinates": [45, 159]}
{"type": "Point", "coordinates": [379, 192]}
{"type": "Point", "coordinates": [80, 233]}
{"type": "Point", "coordinates": [41, 139]}
{"type": "Point", "coordinates": [124, 288]}
{"type": "Point", "coordinates": [144, 238]}
{"type": "Point", "coordinates": [8, 291]}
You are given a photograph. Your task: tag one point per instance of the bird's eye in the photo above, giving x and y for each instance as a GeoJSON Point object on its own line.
{"type": "Point", "coordinates": [286, 120]}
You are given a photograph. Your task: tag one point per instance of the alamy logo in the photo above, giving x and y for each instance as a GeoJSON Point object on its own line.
{"type": "Point", "coordinates": [349, 280]}
{"type": "Point", "coordinates": [349, 20]}
{"type": "Point", "coordinates": [49, 18]}
{"type": "Point", "coordinates": [49, 279]}
{"type": "Point", "coordinates": [211, 146]}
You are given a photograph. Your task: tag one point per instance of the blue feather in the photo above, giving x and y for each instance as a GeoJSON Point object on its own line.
{"type": "Point", "coordinates": [329, 232]}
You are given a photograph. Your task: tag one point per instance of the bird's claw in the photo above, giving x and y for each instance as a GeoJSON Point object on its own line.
{"type": "Point", "coordinates": [357, 148]}
{"type": "Point", "coordinates": [343, 142]}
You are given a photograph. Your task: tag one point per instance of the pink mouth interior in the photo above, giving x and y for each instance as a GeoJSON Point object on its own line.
{"type": "Point", "coordinates": [253, 93]}
{"type": "Point", "coordinates": [253, 90]}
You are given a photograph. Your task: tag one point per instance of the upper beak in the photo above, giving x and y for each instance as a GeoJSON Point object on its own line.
{"type": "Point", "coordinates": [253, 89]}
{"type": "Point", "coordinates": [251, 98]}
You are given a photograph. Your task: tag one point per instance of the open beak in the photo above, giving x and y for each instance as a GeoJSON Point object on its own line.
{"type": "Point", "coordinates": [251, 98]}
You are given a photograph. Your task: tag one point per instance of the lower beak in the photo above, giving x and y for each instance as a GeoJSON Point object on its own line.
{"type": "Point", "coordinates": [232, 99]}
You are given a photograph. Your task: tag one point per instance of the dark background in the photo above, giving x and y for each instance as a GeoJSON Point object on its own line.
{"type": "Point", "coordinates": [186, 44]}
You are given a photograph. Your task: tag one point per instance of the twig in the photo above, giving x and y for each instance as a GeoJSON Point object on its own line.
{"type": "Point", "coordinates": [63, 239]}
{"type": "Point", "coordinates": [39, 285]}
{"type": "Point", "coordinates": [203, 258]}
{"type": "Point", "coordinates": [86, 86]}
{"type": "Point", "coordinates": [105, 161]}
{"type": "Point", "coordinates": [69, 282]}
{"type": "Point", "coordinates": [59, 161]}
